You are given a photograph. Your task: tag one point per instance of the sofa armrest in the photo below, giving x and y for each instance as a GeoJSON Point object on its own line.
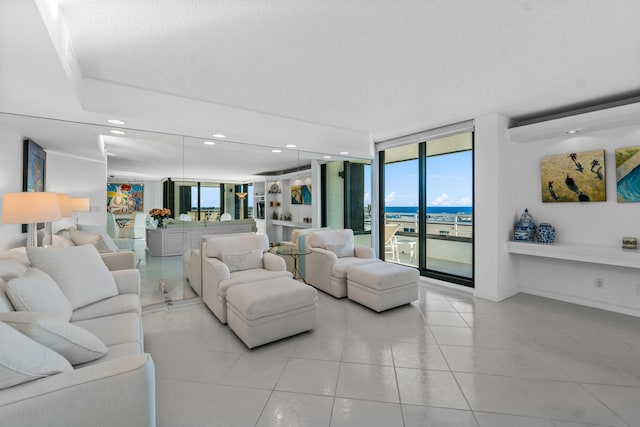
{"type": "Point", "coordinates": [119, 392]}
{"type": "Point", "coordinates": [274, 262]}
{"type": "Point", "coordinates": [124, 244]}
{"type": "Point", "coordinates": [127, 281]}
{"type": "Point", "coordinates": [122, 260]}
{"type": "Point", "coordinates": [214, 271]}
{"type": "Point", "coordinates": [364, 252]}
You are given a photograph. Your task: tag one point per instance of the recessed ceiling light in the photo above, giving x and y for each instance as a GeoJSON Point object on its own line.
{"type": "Point", "coordinates": [218, 135]}
{"type": "Point", "coordinates": [326, 157]}
{"type": "Point", "coordinates": [117, 132]}
{"type": "Point", "coordinates": [276, 151]}
{"type": "Point", "coordinates": [344, 152]}
{"type": "Point", "coordinates": [117, 122]}
{"type": "Point", "coordinates": [290, 145]}
{"type": "Point", "coordinates": [572, 131]}
{"type": "Point", "coordinates": [208, 143]}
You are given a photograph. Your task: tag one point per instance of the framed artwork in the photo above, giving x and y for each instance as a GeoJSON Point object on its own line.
{"type": "Point", "coordinates": [628, 174]}
{"type": "Point", "coordinates": [574, 177]}
{"type": "Point", "coordinates": [34, 166]}
{"type": "Point", "coordinates": [301, 194]}
{"type": "Point", "coordinates": [125, 198]}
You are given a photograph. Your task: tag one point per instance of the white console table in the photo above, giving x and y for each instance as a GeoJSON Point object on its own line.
{"type": "Point", "coordinates": [616, 256]}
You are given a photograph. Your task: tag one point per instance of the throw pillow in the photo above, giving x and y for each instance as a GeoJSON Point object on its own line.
{"type": "Point", "coordinates": [75, 344]}
{"type": "Point", "coordinates": [243, 260]}
{"type": "Point", "coordinates": [83, 238]}
{"type": "Point", "coordinates": [22, 359]}
{"type": "Point", "coordinates": [342, 250]}
{"type": "Point", "coordinates": [107, 240]}
{"type": "Point", "coordinates": [58, 241]}
{"type": "Point", "coordinates": [12, 256]}
{"type": "Point", "coordinates": [79, 271]}
{"type": "Point", "coordinates": [37, 291]}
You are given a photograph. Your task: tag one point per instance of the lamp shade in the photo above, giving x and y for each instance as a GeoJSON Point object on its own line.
{"type": "Point", "coordinates": [30, 207]}
{"type": "Point", "coordinates": [65, 205]}
{"type": "Point", "coordinates": [79, 204]}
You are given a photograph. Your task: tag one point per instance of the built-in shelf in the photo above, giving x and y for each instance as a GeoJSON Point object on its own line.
{"type": "Point", "coordinates": [594, 254]}
{"type": "Point", "coordinates": [291, 224]}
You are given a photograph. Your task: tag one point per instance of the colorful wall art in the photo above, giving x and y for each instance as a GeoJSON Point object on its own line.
{"type": "Point", "coordinates": [301, 194]}
{"type": "Point", "coordinates": [628, 174]}
{"type": "Point", "coordinates": [125, 198]}
{"type": "Point", "coordinates": [574, 177]}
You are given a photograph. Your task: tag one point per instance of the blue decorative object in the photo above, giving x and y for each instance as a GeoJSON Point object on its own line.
{"type": "Point", "coordinates": [546, 233]}
{"type": "Point", "coordinates": [525, 229]}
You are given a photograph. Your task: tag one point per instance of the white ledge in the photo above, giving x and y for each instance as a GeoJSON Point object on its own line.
{"type": "Point", "coordinates": [594, 254]}
{"type": "Point", "coordinates": [291, 224]}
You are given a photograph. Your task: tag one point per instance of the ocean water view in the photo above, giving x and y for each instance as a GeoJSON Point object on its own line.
{"type": "Point", "coordinates": [430, 209]}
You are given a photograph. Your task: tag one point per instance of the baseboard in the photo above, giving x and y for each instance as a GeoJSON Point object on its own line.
{"type": "Point", "coordinates": [444, 284]}
{"type": "Point", "coordinates": [630, 311]}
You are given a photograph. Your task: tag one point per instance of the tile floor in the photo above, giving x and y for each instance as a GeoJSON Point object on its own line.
{"type": "Point", "coordinates": [446, 360]}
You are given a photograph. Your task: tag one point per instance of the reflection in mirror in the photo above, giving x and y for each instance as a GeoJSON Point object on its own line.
{"type": "Point", "coordinates": [199, 180]}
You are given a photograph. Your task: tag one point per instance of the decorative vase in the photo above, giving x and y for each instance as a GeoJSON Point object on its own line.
{"type": "Point", "coordinates": [546, 233]}
{"type": "Point", "coordinates": [525, 229]}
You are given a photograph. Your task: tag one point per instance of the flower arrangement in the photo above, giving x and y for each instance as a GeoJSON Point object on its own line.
{"type": "Point", "coordinates": [160, 215]}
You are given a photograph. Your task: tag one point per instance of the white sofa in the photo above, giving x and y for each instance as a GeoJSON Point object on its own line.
{"type": "Point", "coordinates": [111, 250]}
{"type": "Point", "coordinates": [57, 319]}
{"type": "Point", "coordinates": [332, 253]}
{"type": "Point", "coordinates": [232, 260]}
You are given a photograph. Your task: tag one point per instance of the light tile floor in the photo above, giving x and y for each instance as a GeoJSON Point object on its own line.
{"type": "Point", "coordinates": [448, 359]}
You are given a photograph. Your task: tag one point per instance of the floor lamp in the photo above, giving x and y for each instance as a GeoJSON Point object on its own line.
{"type": "Point", "coordinates": [30, 208]}
{"type": "Point", "coordinates": [78, 204]}
{"type": "Point", "coordinates": [241, 196]}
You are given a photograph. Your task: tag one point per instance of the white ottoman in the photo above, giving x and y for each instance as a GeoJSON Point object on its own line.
{"type": "Point", "coordinates": [268, 310]}
{"type": "Point", "coordinates": [383, 285]}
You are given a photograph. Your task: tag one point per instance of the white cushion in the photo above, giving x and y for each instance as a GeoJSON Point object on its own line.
{"type": "Point", "coordinates": [216, 245]}
{"type": "Point", "coordinates": [84, 238]}
{"type": "Point", "coordinates": [340, 242]}
{"type": "Point", "coordinates": [243, 260]}
{"type": "Point", "coordinates": [72, 342]}
{"type": "Point", "coordinates": [5, 304]}
{"type": "Point", "coordinates": [37, 291]}
{"type": "Point", "coordinates": [108, 241]}
{"type": "Point", "coordinates": [11, 268]}
{"type": "Point", "coordinates": [79, 271]}
{"type": "Point", "coordinates": [22, 359]}
{"type": "Point", "coordinates": [58, 241]}
{"type": "Point", "coordinates": [17, 254]}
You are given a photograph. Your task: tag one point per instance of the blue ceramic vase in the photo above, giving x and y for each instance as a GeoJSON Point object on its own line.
{"type": "Point", "coordinates": [525, 229]}
{"type": "Point", "coordinates": [546, 233]}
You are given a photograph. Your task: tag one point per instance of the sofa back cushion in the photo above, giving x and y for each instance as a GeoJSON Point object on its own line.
{"type": "Point", "coordinates": [37, 291]}
{"type": "Point", "coordinates": [5, 304]}
{"type": "Point", "coordinates": [242, 260]}
{"type": "Point", "coordinates": [84, 238]}
{"type": "Point", "coordinates": [79, 271]}
{"type": "Point", "coordinates": [216, 246]}
{"type": "Point", "coordinates": [340, 242]}
{"type": "Point", "coordinates": [22, 359]}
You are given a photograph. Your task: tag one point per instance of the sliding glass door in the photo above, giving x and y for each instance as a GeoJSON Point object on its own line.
{"type": "Point", "coordinates": [426, 215]}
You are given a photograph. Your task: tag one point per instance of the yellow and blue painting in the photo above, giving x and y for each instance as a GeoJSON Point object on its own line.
{"type": "Point", "coordinates": [301, 194]}
{"type": "Point", "coordinates": [628, 174]}
{"type": "Point", "coordinates": [574, 177]}
{"type": "Point", "coordinates": [125, 198]}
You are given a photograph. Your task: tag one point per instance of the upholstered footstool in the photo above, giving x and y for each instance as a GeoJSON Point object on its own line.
{"type": "Point", "coordinates": [268, 310]}
{"type": "Point", "coordinates": [383, 285]}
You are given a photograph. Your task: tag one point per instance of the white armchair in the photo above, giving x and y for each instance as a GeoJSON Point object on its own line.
{"type": "Point", "coordinates": [332, 253]}
{"type": "Point", "coordinates": [232, 260]}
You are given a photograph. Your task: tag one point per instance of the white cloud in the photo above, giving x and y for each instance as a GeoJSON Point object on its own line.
{"type": "Point", "coordinates": [388, 199]}
{"type": "Point", "coordinates": [465, 201]}
{"type": "Point", "coordinates": [441, 200]}
{"type": "Point", "coordinates": [367, 199]}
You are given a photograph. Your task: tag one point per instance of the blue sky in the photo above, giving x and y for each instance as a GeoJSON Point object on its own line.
{"type": "Point", "coordinates": [449, 181]}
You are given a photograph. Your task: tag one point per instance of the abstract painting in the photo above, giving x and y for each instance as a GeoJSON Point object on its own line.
{"type": "Point", "coordinates": [125, 198]}
{"type": "Point", "coordinates": [301, 194]}
{"type": "Point", "coordinates": [574, 177]}
{"type": "Point", "coordinates": [628, 174]}
{"type": "Point", "coordinates": [34, 165]}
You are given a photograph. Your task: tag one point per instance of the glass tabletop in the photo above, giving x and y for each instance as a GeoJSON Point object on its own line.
{"type": "Point", "coordinates": [292, 251]}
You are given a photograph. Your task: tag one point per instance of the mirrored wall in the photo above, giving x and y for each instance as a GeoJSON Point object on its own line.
{"type": "Point", "coordinates": [128, 172]}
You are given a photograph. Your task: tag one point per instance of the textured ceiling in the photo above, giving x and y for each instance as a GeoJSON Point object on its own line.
{"type": "Point", "coordinates": [383, 67]}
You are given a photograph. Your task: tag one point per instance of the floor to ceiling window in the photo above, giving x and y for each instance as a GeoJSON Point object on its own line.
{"type": "Point", "coordinates": [426, 215]}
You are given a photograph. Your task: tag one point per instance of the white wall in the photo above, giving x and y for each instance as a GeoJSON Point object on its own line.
{"type": "Point", "coordinates": [10, 181]}
{"type": "Point", "coordinates": [593, 223]}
